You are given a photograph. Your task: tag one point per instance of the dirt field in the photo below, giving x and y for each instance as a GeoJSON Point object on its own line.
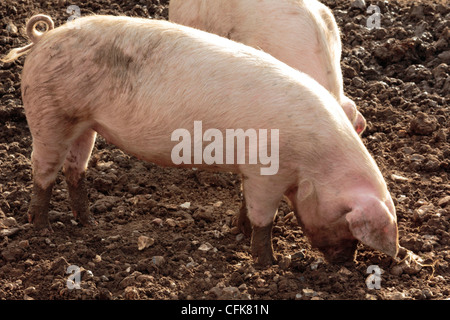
{"type": "Point", "coordinates": [399, 77]}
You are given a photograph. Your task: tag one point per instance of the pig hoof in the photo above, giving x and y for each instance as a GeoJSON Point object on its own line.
{"type": "Point", "coordinates": [265, 260]}
{"type": "Point", "coordinates": [261, 244]}
{"type": "Point", "coordinates": [39, 222]}
{"type": "Point", "coordinates": [87, 220]}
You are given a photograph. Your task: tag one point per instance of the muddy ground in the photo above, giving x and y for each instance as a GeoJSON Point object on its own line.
{"type": "Point", "coordinates": [399, 77]}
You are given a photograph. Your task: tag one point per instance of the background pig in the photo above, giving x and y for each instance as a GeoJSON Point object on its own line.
{"type": "Point", "coordinates": [301, 33]}
{"type": "Point", "coordinates": [134, 81]}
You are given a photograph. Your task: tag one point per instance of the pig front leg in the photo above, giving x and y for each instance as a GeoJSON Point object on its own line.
{"type": "Point", "coordinates": [262, 202]}
{"type": "Point", "coordinates": [74, 169]}
{"type": "Point", "coordinates": [243, 223]}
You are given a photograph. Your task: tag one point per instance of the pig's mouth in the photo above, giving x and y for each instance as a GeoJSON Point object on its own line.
{"type": "Point", "coordinates": [342, 252]}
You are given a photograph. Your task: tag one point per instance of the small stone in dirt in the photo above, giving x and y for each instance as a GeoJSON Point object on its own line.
{"type": "Point", "coordinates": [299, 255]}
{"type": "Point", "coordinates": [227, 293]}
{"type": "Point", "coordinates": [396, 270]}
{"type": "Point", "coordinates": [185, 205]}
{"type": "Point", "coordinates": [345, 271]}
{"type": "Point", "coordinates": [30, 291]}
{"type": "Point", "coordinates": [11, 28]}
{"type": "Point", "coordinates": [235, 230]}
{"type": "Point", "coordinates": [205, 247]}
{"type": "Point", "coordinates": [395, 296]}
{"type": "Point", "coordinates": [398, 178]}
{"type": "Point", "coordinates": [24, 244]}
{"type": "Point", "coordinates": [289, 216]}
{"type": "Point", "coordinates": [445, 56]}
{"type": "Point", "coordinates": [218, 204]}
{"type": "Point", "coordinates": [158, 261]}
{"type": "Point", "coordinates": [157, 221]}
{"type": "Point", "coordinates": [417, 11]}
{"type": "Point", "coordinates": [260, 282]}
{"type": "Point", "coordinates": [240, 237]}
{"type": "Point", "coordinates": [285, 262]}
{"type": "Point", "coordinates": [315, 264]}
{"type": "Point", "coordinates": [371, 297]}
{"type": "Point", "coordinates": [417, 157]}
{"type": "Point", "coordinates": [9, 232]}
{"type": "Point", "coordinates": [423, 124]}
{"type": "Point", "coordinates": [127, 281]}
{"type": "Point", "coordinates": [358, 4]}
{"type": "Point", "coordinates": [10, 222]}
{"type": "Point", "coordinates": [422, 212]}
{"type": "Point", "coordinates": [309, 292]}
{"type": "Point", "coordinates": [145, 242]}
{"type": "Point", "coordinates": [59, 266]}
{"type": "Point", "coordinates": [170, 222]}
{"type": "Point", "coordinates": [204, 213]}
{"type": "Point", "coordinates": [131, 293]}
{"type": "Point", "coordinates": [444, 201]}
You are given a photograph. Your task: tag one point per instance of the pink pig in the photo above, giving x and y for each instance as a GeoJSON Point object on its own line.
{"type": "Point", "coordinates": [135, 81]}
{"type": "Point", "coordinates": [301, 33]}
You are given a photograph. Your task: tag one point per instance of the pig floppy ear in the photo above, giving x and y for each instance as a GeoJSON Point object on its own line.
{"type": "Point", "coordinates": [374, 226]}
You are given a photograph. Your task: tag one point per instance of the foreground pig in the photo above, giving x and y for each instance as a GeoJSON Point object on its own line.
{"type": "Point", "coordinates": [301, 33]}
{"type": "Point", "coordinates": [136, 81]}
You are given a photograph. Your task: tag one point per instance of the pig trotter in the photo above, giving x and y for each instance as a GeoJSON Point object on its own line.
{"type": "Point", "coordinates": [261, 245]}
{"type": "Point", "coordinates": [39, 206]}
{"type": "Point", "coordinates": [243, 221]}
{"type": "Point", "coordinates": [79, 200]}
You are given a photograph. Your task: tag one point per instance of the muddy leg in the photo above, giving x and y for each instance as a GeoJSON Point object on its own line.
{"type": "Point", "coordinates": [75, 172]}
{"type": "Point", "coordinates": [262, 245]}
{"type": "Point", "coordinates": [47, 160]}
{"type": "Point", "coordinates": [39, 206]}
{"type": "Point", "coordinates": [243, 222]}
{"type": "Point", "coordinates": [262, 201]}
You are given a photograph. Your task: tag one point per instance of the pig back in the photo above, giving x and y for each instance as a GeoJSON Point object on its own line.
{"type": "Point", "coordinates": [142, 79]}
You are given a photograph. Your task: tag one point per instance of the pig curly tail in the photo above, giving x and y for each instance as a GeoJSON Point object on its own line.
{"type": "Point", "coordinates": [32, 34]}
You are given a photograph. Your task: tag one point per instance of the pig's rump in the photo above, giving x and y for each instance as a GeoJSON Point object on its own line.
{"type": "Point", "coordinates": [135, 81]}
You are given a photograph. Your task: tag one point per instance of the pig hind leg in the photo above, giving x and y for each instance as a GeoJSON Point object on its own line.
{"type": "Point", "coordinates": [51, 145]}
{"type": "Point", "coordinates": [74, 170]}
{"type": "Point", "coordinates": [47, 159]}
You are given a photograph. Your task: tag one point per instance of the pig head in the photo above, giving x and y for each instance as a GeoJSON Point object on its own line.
{"type": "Point", "coordinates": [335, 221]}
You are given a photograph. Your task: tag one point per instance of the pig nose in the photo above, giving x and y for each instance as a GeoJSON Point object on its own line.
{"type": "Point", "coordinates": [344, 252]}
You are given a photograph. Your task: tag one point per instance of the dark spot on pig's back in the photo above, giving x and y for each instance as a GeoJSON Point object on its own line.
{"type": "Point", "coordinates": [111, 56]}
{"type": "Point", "coordinates": [115, 62]}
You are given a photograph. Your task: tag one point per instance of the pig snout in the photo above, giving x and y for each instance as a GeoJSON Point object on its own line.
{"type": "Point", "coordinates": [374, 223]}
{"type": "Point", "coordinates": [335, 225]}
{"type": "Point", "coordinates": [344, 251]}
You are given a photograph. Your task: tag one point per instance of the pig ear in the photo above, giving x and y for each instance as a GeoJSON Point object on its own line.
{"type": "Point", "coordinates": [374, 226]}
{"type": "Point", "coordinates": [305, 189]}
